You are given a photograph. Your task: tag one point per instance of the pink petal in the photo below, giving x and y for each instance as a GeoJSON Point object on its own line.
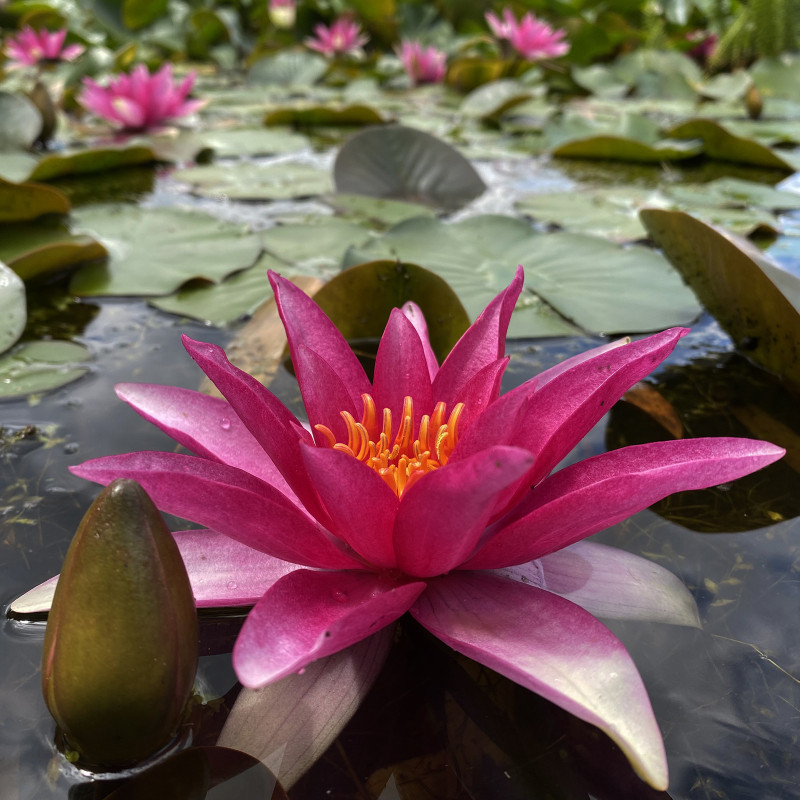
{"type": "Point", "coordinates": [129, 112]}
{"type": "Point", "coordinates": [443, 514]}
{"type": "Point", "coordinates": [598, 492]}
{"type": "Point", "coordinates": [483, 343]}
{"type": "Point", "coordinates": [307, 615]}
{"type": "Point", "coordinates": [227, 500]}
{"type": "Point", "coordinates": [611, 583]}
{"type": "Point", "coordinates": [206, 425]}
{"type": "Point", "coordinates": [480, 391]}
{"type": "Point", "coordinates": [271, 423]}
{"type": "Point", "coordinates": [361, 505]}
{"type": "Point", "coordinates": [401, 369]}
{"type": "Point", "coordinates": [307, 324]}
{"type": "Point", "coordinates": [552, 647]}
{"type": "Point", "coordinates": [415, 316]}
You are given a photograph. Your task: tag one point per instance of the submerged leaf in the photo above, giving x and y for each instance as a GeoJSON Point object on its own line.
{"type": "Point", "coordinates": [41, 366]}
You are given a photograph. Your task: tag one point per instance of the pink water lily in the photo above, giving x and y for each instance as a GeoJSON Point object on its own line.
{"type": "Point", "coordinates": [139, 100]}
{"type": "Point", "coordinates": [422, 64]}
{"type": "Point", "coordinates": [343, 37]}
{"type": "Point", "coordinates": [532, 38]}
{"type": "Point", "coordinates": [30, 47]}
{"type": "Point", "coordinates": [427, 491]}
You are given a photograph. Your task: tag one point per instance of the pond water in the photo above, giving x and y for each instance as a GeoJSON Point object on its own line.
{"type": "Point", "coordinates": [727, 696]}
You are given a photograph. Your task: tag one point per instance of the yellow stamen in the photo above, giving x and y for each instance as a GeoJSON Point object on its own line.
{"type": "Point", "coordinates": [403, 461]}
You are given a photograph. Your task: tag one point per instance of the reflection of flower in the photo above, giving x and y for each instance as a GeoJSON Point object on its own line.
{"type": "Point", "coordinates": [532, 38]}
{"type": "Point", "coordinates": [425, 491]}
{"type": "Point", "coordinates": [139, 101]}
{"type": "Point", "coordinates": [422, 64]}
{"type": "Point", "coordinates": [344, 37]}
{"type": "Point", "coordinates": [31, 47]}
{"type": "Point", "coordinates": [282, 13]}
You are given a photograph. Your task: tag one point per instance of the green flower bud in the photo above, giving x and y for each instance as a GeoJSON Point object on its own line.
{"type": "Point", "coordinates": [121, 646]}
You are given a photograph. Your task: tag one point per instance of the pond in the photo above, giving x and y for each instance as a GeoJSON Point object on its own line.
{"type": "Point", "coordinates": [435, 724]}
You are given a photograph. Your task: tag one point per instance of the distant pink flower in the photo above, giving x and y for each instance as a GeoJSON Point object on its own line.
{"type": "Point", "coordinates": [532, 38]}
{"type": "Point", "coordinates": [31, 47]}
{"type": "Point", "coordinates": [422, 64]}
{"type": "Point", "coordinates": [282, 13]}
{"type": "Point", "coordinates": [139, 100]}
{"type": "Point", "coordinates": [703, 45]}
{"type": "Point", "coordinates": [344, 37]}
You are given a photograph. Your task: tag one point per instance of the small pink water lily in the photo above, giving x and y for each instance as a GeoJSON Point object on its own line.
{"type": "Point", "coordinates": [427, 491]}
{"type": "Point", "coordinates": [139, 100]}
{"type": "Point", "coordinates": [30, 47]}
{"type": "Point", "coordinates": [423, 64]}
{"type": "Point", "coordinates": [343, 37]}
{"type": "Point", "coordinates": [532, 38]}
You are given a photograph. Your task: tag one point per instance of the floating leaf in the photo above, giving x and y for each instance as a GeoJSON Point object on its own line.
{"type": "Point", "coordinates": [406, 164]}
{"type": "Point", "coordinates": [20, 122]}
{"type": "Point", "coordinates": [619, 148]}
{"type": "Point", "coordinates": [25, 201]}
{"type": "Point", "coordinates": [467, 73]}
{"type": "Point", "coordinates": [755, 301]}
{"type": "Point", "coordinates": [492, 100]}
{"type": "Point", "coordinates": [288, 68]}
{"type": "Point", "coordinates": [13, 310]}
{"type": "Point", "coordinates": [372, 210]}
{"type": "Point", "coordinates": [255, 142]}
{"type": "Point", "coordinates": [138, 14]}
{"type": "Point", "coordinates": [721, 144]}
{"type": "Point", "coordinates": [36, 249]}
{"type": "Point", "coordinates": [360, 299]}
{"type": "Point", "coordinates": [153, 251]}
{"type": "Point", "coordinates": [308, 115]}
{"type": "Point", "coordinates": [34, 367]}
{"type": "Point", "coordinates": [585, 281]}
{"type": "Point", "coordinates": [93, 160]}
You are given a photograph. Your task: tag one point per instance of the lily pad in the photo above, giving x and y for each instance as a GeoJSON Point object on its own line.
{"type": "Point", "coordinates": [587, 282]}
{"type": "Point", "coordinates": [360, 299]}
{"type": "Point", "coordinates": [310, 115]}
{"type": "Point", "coordinates": [13, 310]}
{"type": "Point", "coordinates": [20, 122]}
{"type": "Point", "coordinates": [723, 145]}
{"type": "Point", "coordinates": [247, 181]}
{"type": "Point", "coordinates": [93, 160]}
{"type": "Point", "coordinates": [26, 201]}
{"type": "Point", "coordinates": [492, 100]}
{"type": "Point", "coordinates": [619, 148]}
{"type": "Point", "coordinates": [374, 211]}
{"type": "Point", "coordinates": [288, 68]}
{"type": "Point", "coordinates": [34, 367]}
{"type": "Point", "coordinates": [255, 142]}
{"type": "Point", "coordinates": [406, 164]}
{"type": "Point", "coordinates": [154, 251]}
{"type": "Point", "coordinates": [755, 301]}
{"type": "Point", "coordinates": [36, 249]}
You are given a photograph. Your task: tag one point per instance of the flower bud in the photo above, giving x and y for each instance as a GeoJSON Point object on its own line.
{"type": "Point", "coordinates": [753, 102]}
{"type": "Point", "coordinates": [120, 650]}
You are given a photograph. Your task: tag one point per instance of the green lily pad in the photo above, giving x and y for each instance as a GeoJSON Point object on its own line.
{"type": "Point", "coordinates": [20, 122]}
{"type": "Point", "coordinates": [154, 251]}
{"type": "Point", "coordinates": [25, 201]}
{"type": "Point", "coordinates": [247, 181]}
{"type": "Point", "coordinates": [360, 299]}
{"type": "Point", "coordinates": [587, 282]}
{"type": "Point", "coordinates": [777, 77]}
{"type": "Point", "coordinates": [726, 86]}
{"type": "Point", "coordinates": [492, 100]}
{"type": "Point", "coordinates": [220, 304]}
{"type": "Point", "coordinates": [255, 141]}
{"type": "Point", "coordinates": [755, 301]}
{"type": "Point", "coordinates": [36, 249]}
{"type": "Point", "coordinates": [34, 367]}
{"type": "Point", "coordinates": [723, 145]}
{"type": "Point", "coordinates": [375, 211]}
{"type": "Point", "coordinates": [13, 309]}
{"type": "Point", "coordinates": [658, 73]}
{"type": "Point", "coordinates": [288, 68]}
{"type": "Point", "coordinates": [311, 115]}
{"type": "Point", "coordinates": [601, 81]}
{"type": "Point", "coordinates": [406, 164]}
{"type": "Point", "coordinates": [93, 160]}
{"type": "Point", "coordinates": [16, 165]}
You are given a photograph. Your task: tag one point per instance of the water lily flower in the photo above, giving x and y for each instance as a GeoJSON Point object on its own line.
{"type": "Point", "coordinates": [282, 13]}
{"type": "Point", "coordinates": [422, 64]}
{"type": "Point", "coordinates": [30, 47]}
{"type": "Point", "coordinates": [426, 491]}
{"type": "Point", "coordinates": [343, 37]}
{"type": "Point", "coordinates": [532, 38]}
{"type": "Point", "coordinates": [139, 101]}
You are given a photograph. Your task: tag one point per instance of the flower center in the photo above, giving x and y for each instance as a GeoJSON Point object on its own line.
{"type": "Point", "coordinates": [401, 461]}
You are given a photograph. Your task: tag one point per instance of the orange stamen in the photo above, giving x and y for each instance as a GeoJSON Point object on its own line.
{"type": "Point", "coordinates": [403, 462]}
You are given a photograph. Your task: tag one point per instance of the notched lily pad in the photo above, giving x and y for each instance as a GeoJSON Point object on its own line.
{"type": "Point", "coordinates": [34, 367]}
{"type": "Point", "coordinates": [755, 301]}
{"type": "Point", "coordinates": [492, 100]}
{"type": "Point", "coordinates": [26, 201]}
{"type": "Point", "coordinates": [93, 160]}
{"type": "Point", "coordinates": [309, 115]}
{"type": "Point", "coordinates": [403, 163]}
